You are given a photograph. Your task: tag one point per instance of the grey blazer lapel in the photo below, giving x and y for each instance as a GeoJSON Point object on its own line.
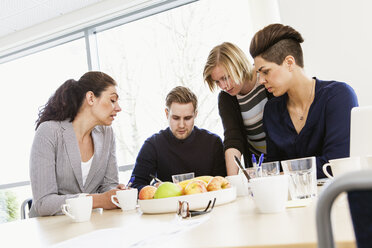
{"type": "Point", "coordinates": [73, 151]}
{"type": "Point", "coordinates": [98, 141]}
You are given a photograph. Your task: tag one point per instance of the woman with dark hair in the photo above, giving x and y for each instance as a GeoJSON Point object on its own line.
{"type": "Point", "coordinates": [307, 116]}
{"type": "Point", "coordinates": [73, 151]}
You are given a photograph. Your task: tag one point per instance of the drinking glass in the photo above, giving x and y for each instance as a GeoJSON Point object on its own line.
{"type": "Point", "coordinates": [302, 176]}
{"type": "Point", "coordinates": [182, 177]}
{"type": "Point", "coordinates": [252, 171]}
{"type": "Point", "coordinates": [270, 168]}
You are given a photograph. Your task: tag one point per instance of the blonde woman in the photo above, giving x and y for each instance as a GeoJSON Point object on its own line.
{"type": "Point", "coordinates": [240, 103]}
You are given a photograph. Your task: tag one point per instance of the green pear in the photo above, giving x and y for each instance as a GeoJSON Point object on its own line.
{"type": "Point", "coordinates": [168, 189]}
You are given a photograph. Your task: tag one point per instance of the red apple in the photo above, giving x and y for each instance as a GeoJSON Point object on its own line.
{"type": "Point", "coordinates": [147, 192]}
{"type": "Point", "coordinates": [195, 187]}
{"type": "Point", "coordinates": [217, 183]}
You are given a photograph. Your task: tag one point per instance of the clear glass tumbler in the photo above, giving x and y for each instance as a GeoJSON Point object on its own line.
{"type": "Point", "coordinates": [182, 177]}
{"type": "Point", "coordinates": [302, 177]}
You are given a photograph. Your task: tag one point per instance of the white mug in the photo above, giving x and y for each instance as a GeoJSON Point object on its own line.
{"type": "Point", "coordinates": [342, 165]}
{"type": "Point", "coordinates": [78, 209]}
{"type": "Point", "coordinates": [240, 182]}
{"type": "Point", "coordinates": [127, 199]}
{"type": "Point", "coordinates": [270, 194]}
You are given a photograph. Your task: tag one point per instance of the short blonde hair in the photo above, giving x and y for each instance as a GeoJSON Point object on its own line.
{"type": "Point", "coordinates": [183, 95]}
{"type": "Point", "coordinates": [232, 59]}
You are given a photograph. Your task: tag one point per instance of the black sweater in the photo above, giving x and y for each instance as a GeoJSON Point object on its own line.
{"type": "Point", "coordinates": [164, 155]}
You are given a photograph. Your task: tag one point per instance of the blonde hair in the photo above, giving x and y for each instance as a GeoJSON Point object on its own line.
{"type": "Point", "coordinates": [181, 94]}
{"type": "Point", "coordinates": [232, 59]}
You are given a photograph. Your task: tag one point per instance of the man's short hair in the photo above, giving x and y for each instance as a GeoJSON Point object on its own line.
{"type": "Point", "coordinates": [181, 94]}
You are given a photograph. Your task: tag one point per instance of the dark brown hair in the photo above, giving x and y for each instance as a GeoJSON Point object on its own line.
{"type": "Point", "coordinates": [68, 98]}
{"type": "Point", "coordinates": [275, 42]}
{"type": "Point", "coordinates": [181, 94]}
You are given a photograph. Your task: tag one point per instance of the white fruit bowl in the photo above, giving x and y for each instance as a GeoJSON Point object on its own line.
{"type": "Point", "coordinates": [196, 201]}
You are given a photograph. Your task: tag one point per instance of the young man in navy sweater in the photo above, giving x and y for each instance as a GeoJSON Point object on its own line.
{"type": "Point", "coordinates": [180, 148]}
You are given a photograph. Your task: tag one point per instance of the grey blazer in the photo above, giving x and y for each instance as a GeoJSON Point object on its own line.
{"type": "Point", "coordinates": [55, 166]}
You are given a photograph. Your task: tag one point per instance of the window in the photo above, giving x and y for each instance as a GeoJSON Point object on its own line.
{"type": "Point", "coordinates": [26, 84]}
{"type": "Point", "coordinates": [149, 57]}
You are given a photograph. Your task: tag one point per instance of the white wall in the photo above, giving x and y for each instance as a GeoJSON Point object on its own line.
{"type": "Point", "coordinates": [338, 40]}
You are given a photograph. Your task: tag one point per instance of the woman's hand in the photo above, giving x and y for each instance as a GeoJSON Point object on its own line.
{"type": "Point", "coordinates": [103, 200]}
{"type": "Point", "coordinates": [121, 186]}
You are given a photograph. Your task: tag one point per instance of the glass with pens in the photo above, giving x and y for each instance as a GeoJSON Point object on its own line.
{"type": "Point", "coordinates": [261, 169]}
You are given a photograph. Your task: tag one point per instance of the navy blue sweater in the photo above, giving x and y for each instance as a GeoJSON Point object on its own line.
{"type": "Point", "coordinates": [326, 134]}
{"type": "Point", "coordinates": [164, 155]}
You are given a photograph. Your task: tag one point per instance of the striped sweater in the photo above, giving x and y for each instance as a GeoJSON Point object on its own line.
{"type": "Point", "coordinates": [242, 121]}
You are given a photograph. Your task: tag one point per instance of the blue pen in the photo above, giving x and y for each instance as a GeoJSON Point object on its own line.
{"type": "Point", "coordinates": [260, 160]}
{"type": "Point", "coordinates": [259, 169]}
{"type": "Point", "coordinates": [254, 162]}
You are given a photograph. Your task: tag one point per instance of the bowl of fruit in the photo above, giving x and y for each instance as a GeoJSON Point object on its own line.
{"type": "Point", "coordinates": [197, 192]}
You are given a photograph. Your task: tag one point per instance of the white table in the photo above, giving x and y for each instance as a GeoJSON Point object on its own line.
{"type": "Point", "coordinates": [236, 224]}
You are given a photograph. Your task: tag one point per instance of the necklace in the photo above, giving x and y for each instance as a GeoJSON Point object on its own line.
{"type": "Point", "coordinates": [308, 104]}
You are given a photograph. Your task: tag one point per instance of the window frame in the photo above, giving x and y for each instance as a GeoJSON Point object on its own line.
{"type": "Point", "coordinates": [89, 34]}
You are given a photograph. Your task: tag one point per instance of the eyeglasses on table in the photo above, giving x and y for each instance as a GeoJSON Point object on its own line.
{"type": "Point", "coordinates": [183, 209]}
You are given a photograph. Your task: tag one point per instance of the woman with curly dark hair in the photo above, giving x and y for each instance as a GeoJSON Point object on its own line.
{"type": "Point", "coordinates": [73, 151]}
{"type": "Point", "coordinates": [307, 116]}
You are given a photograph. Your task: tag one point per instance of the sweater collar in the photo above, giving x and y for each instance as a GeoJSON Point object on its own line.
{"type": "Point", "coordinates": [183, 141]}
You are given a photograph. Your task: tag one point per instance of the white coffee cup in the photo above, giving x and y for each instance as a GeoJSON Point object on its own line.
{"type": "Point", "coordinates": [240, 182]}
{"type": "Point", "coordinates": [127, 199]}
{"type": "Point", "coordinates": [342, 165]}
{"type": "Point", "coordinates": [270, 194]}
{"type": "Point", "coordinates": [78, 209]}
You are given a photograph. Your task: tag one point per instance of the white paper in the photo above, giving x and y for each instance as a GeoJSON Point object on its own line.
{"type": "Point", "coordinates": [152, 236]}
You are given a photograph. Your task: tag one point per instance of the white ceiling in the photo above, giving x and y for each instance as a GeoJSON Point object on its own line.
{"type": "Point", "coordinates": [16, 15]}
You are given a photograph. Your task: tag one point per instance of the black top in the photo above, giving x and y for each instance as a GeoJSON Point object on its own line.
{"type": "Point", "coordinates": [164, 155]}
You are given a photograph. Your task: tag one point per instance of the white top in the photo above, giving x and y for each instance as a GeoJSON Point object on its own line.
{"type": "Point", "coordinates": [85, 168]}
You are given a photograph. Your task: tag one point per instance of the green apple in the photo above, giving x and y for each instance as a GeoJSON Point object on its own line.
{"type": "Point", "coordinates": [168, 189]}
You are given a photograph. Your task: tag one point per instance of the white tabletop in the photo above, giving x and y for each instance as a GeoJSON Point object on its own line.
{"type": "Point", "coordinates": [235, 224]}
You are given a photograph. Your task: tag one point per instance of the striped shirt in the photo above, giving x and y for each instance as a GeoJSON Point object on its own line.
{"type": "Point", "coordinates": [252, 107]}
